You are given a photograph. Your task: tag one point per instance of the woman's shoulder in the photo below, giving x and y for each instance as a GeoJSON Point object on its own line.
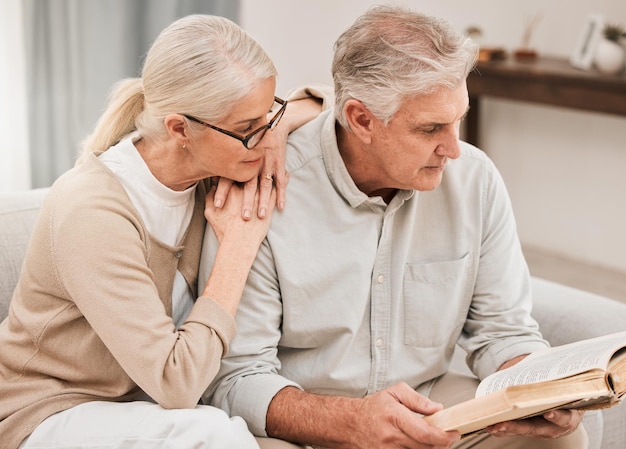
{"type": "Point", "coordinates": [89, 179]}
{"type": "Point", "coordinates": [88, 190]}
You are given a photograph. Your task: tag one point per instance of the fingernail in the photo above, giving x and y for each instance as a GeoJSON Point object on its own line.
{"type": "Point", "coordinates": [246, 214]}
{"type": "Point", "coordinates": [262, 212]}
{"type": "Point", "coordinates": [218, 203]}
{"type": "Point", "coordinates": [281, 205]}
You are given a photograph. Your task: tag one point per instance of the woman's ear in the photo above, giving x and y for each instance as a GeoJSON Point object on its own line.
{"type": "Point", "coordinates": [360, 119]}
{"type": "Point", "coordinates": [177, 128]}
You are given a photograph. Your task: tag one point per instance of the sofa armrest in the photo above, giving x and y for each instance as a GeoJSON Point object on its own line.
{"type": "Point", "coordinates": [567, 314]}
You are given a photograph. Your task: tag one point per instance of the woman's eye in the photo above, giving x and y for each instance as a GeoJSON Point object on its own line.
{"type": "Point", "coordinates": [247, 130]}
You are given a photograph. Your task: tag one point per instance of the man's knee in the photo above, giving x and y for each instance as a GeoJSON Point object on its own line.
{"type": "Point", "coordinates": [575, 440]}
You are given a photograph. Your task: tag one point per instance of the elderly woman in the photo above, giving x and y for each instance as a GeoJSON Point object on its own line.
{"type": "Point", "coordinates": [108, 342]}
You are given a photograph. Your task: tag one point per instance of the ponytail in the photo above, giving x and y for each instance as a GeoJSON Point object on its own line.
{"type": "Point", "coordinates": [125, 104]}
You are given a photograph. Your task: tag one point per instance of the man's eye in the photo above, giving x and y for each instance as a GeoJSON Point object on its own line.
{"type": "Point", "coordinates": [430, 129]}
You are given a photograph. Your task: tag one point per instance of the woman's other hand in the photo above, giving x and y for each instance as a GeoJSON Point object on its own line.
{"type": "Point", "coordinates": [227, 221]}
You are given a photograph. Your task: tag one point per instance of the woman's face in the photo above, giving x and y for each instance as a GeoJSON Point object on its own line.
{"type": "Point", "coordinates": [218, 154]}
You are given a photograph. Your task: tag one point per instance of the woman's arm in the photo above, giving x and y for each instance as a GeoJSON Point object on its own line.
{"type": "Point", "coordinates": [239, 241]}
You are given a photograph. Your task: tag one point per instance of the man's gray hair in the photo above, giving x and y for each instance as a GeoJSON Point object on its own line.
{"type": "Point", "coordinates": [391, 53]}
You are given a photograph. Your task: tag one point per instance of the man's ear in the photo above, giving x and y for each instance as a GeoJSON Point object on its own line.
{"type": "Point", "coordinates": [176, 126]}
{"type": "Point", "coordinates": [360, 119]}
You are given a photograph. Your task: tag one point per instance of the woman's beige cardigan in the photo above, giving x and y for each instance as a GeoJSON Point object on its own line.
{"type": "Point", "coordinates": [91, 315]}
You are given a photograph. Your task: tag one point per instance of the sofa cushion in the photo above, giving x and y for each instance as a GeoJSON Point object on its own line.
{"type": "Point", "coordinates": [18, 213]}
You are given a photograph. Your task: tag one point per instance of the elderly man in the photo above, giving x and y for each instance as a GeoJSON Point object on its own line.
{"type": "Point", "coordinates": [398, 242]}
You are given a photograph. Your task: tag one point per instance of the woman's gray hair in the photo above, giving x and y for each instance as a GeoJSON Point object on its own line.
{"type": "Point", "coordinates": [391, 53]}
{"type": "Point", "coordinates": [199, 65]}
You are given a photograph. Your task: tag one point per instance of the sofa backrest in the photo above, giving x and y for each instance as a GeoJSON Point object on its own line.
{"type": "Point", "coordinates": [18, 213]}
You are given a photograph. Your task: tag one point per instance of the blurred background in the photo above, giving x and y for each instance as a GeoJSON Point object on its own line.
{"type": "Point", "coordinates": [565, 169]}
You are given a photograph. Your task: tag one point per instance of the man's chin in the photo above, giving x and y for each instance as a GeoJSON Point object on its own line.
{"type": "Point", "coordinates": [428, 184]}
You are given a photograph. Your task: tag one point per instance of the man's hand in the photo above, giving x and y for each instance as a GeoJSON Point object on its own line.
{"type": "Point", "coordinates": [388, 419]}
{"type": "Point", "coordinates": [553, 424]}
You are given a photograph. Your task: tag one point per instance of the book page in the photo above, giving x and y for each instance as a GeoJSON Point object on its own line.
{"type": "Point", "coordinates": [556, 363]}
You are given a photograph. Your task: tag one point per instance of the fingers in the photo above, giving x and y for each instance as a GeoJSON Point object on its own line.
{"type": "Point", "coordinates": [414, 401]}
{"type": "Point", "coordinates": [249, 192]}
{"type": "Point", "coordinates": [418, 430]}
{"type": "Point", "coordinates": [387, 421]}
{"type": "Point", "coordinates": [281, 179]}
{"type": "Point", "coordinates": [565, 419]}
{"type": "Point", "coordinates": [265, 191]}
{"type": "Point", "coordinates": [553, 424]}
{"type": "Point", "coordinates": [223, 187]}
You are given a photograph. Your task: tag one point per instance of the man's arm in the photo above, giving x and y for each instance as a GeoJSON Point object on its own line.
{"type": "Point", "coordinates": [384, 419]}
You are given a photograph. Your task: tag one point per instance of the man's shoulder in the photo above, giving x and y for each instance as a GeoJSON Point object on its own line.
{"type": "Point", "coordinates": [472, 159]}
{"type": "Point", "coordinates": [305, 143]}
{"type": "Point", "coordinates": [471, 153]}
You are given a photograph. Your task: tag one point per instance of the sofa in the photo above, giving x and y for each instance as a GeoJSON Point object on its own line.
{"type": "Point", "coordinates": [565, 314]}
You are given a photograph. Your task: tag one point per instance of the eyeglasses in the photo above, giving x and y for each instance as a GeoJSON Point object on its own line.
{"type": "Point", "coordinates": [251, 140]}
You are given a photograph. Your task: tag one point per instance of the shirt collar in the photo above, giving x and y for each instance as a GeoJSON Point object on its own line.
{"type": "Point", "coordinates": [339, 175]}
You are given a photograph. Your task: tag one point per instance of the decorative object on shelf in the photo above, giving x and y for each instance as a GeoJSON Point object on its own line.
{"type": "Point", "coordinates": [609, 54]}
{"type": "Point", "coordinates": [491, 54]}
{"type": "Point", "coordinates": [582, 56]}
{"type": "Point", "coordinates": [475, 33]}
{"type": "Point", "coordinates": [485, 53]}
{"type": "Point", "coordinates": [525, 52]}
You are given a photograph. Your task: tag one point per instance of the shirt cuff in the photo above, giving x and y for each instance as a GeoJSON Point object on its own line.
{"type": "Point", "coordinates": [490, 360]}
{"type": "Point", "coordinates": [251, 398]}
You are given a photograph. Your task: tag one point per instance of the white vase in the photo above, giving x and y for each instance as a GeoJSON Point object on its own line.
{"type": "Point", "coordinates": [609, 57]}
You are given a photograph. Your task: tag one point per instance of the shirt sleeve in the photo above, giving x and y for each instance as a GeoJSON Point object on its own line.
{"type": "Point", "coordinates": [499, 324]}
{"type": "Point", "coordinates": [248, 379]}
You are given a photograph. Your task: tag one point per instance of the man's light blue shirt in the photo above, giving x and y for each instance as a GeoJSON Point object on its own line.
{"type": "Point", "coordinates": [349, 295]}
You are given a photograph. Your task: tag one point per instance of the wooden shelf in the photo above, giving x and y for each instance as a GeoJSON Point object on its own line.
{"type": "Point", "coordinates": [546, 80]}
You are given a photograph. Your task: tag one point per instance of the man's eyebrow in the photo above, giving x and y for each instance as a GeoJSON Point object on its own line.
{"type": "Point", "coordinates": [427, 124]}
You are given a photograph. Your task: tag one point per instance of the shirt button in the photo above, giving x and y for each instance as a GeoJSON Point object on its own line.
{"type": "Point", "coordinates": [379, 342]}
{"type": "Point", "coordinates": [380, 278]}
{"type": "Point", "coordinates": [178, 254]}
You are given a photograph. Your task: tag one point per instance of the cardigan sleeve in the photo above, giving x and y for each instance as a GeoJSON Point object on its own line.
{"type": "Point", "coordinates": [100, 252]}
{"type": "Point", "coordinates": [320, 91]}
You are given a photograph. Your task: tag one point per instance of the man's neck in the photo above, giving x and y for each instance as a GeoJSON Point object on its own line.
{"type": "Point", "coordinates": [363, 172]}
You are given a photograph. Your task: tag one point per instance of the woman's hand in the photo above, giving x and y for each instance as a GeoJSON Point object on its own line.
{"type": "Point", "coordinates": [227, 221]}
{"type": "Point", "coordinates": [273, 172]}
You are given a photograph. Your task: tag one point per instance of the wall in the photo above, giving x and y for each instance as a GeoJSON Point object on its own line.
{"type": "Point", "coordinates": [564, 169]}
{"type": "Point", "coordinates": [14, 158]}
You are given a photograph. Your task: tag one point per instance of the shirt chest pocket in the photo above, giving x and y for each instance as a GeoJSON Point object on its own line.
{"type": "Point", "coordinates": [437, 296]}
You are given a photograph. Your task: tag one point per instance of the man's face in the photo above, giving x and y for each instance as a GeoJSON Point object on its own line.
{"type": "Point", "coordinates": [412, 150]}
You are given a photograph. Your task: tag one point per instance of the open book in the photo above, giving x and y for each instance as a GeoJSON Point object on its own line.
{"type": "Point", "coordinates": [587, 374]}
